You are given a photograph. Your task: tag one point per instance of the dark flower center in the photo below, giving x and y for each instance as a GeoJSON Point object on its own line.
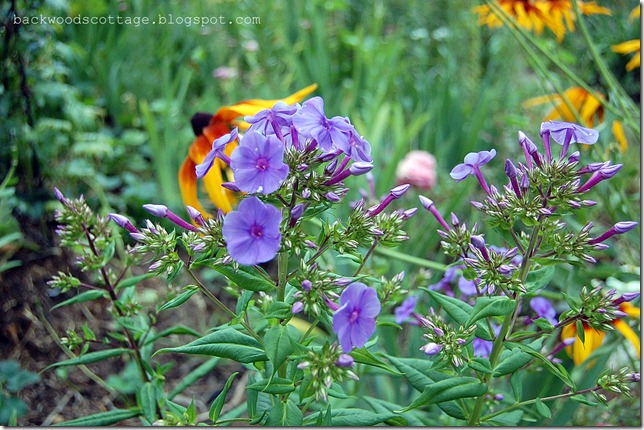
{"type": "Point", "coordinates": [262, 163]}
{"type": "Point", "coordinates": [354, 315]}
{"type": "Point", "coordinates": [256, 231]}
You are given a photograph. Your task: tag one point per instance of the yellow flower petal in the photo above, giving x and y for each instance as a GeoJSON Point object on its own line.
{"type": "Point", "coordinates": [628, 333]}
{"type": "Point", "coordinates": [618, 132]}
{"type": "Point", "coordinates": [630, 310]}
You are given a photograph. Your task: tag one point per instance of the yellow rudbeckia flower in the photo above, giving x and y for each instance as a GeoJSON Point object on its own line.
{"type": "Point", "coordinates": [207, 129]}
{"type": "Point", "coordinates": [535, 15]}
{"type": "Point", "coordinates": [630, 46]}
{"type": "Point", "coordinates": [579, 351]}
{"type": "Point", "coordinates": [590, 110]}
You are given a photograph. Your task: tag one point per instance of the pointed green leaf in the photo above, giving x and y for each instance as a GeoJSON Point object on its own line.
{"type": "Point", "coordinates": [459, 311]}
{"type": "Point", "coordinates": [489, 306]}
{"type": "Point", "coordinates": [279, 310]}
{"type": "Point", "coordinates": [542, 409]}
{"type": "Point", "coordinates": [226, 343]}
{"type": "Point", "coordinates": [583, 399]}
{"type": "Point", "coordinates": [516, 381]}
{"type": "Point", "coordinates": [449, 389]}
{"type": "Point", "coordinates": [511, 361]}
{"type": "Point", "coordinates": [243, 301]}
{"type": "Point", "coordinates": [218, 403]}
{"type": "Point", "coordinates": [133, 280]}
{"type": "Point", "coordinates": [148, 401]}
{"type": "Point", "coordinates": [102, 419]}
{"type": "Point", "coordinates": [419, 373]}
{"type": "Point", "coordinates": [364, 356]}
{"type": "Point", "coordinates": [481, 364]}
{"type": "Point", "coordinates": [172, 330]}
{"type": "Point", "coordinates": [177, 301]}
{"type": "Point", "coordinates": [278, 343]}
{"type": "Point", "coordinates": [581, 334]}
{"type": "Point", "coordinates": [285, 415]}
{"type": "Point", "coordinates": [91, 357]}
{"type": "Point", "coordinates": [559, 371]}
{"type": "Point", "coordinates": [539, 278]}
{"type": "Point", "coordinates": [82, 297]}
{"type": "Point", "coordinates": [544, 324]}
{"type": "Point", "coordinates": [273, 385]}
{"type": "Point", "coordinates": [354, 417]}
{"type": "Point", "coordinates": [246, 278]}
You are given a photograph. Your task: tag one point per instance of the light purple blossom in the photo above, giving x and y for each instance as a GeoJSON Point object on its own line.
{"type": "Point", "coordinates": [431, 348]}
{"type": "Point", "coordinates": [258, 163]}
{"type": "Point", "coordinates": [217, 151]}
{"type": "Point", "coordinates": [355, 321]}
{"type": "Point", "coordinates": [252, 232]}
{"type": "Point", "coordinates": [405, 310]}
{"type": "Point", "coordinates": [472, 166]}
{"type": "Point", "coordinates": [271, 121]}
{"type": "Point", "coordinates": [565, 133]}
{"type": "Point", "coordinates": [311, 122]}
{"type": "Point", "coordinates": [543, 308]}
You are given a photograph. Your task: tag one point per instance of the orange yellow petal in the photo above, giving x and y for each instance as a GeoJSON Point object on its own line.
{"type": "Point", "coordinates": [626, 331]}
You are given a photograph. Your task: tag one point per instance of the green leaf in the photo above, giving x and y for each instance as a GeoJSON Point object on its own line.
{"type": "Point", "coordinates": [544, 324]}
{"type": "Point", "coordinates": [516, 381]}
{"type": "Point", "coordinates": [459, 311]}
{"type": "Point", "coordinates": [133, 280]}
{"type": "Point", "coordinates": [542, 409]}
{"type": "Point", "coordinates": [177, 301]}
{"type": "Point", "coordinates": [583, 399]}
{"type": "Point", "coordinates": [226, 343]}
{"type": "Point", "coordinates": [246, 278]}
{"type": "Point", "coordinates": [488, 306]}
{"type": "Point", "coordinates": [218, 403]}
{"type": "Point", "coordinates": [581, 334]}
{"type": "Point", "coordinates": [453, 409]}
{"type": "Point", "coordinates": [511, 361]}
{"type": "Point", "coordinates": [559, 371]}
{"type": "Point", "coordinates": [364, 356]}
{"type": "Point", "coordinates": [408, 419]}
{"type": "Point", "coordinates": [279, 310]}
{"type": "Point", "coordinates": [243, 301]}
{"type": "Point", "coordinates": [354, 417]}
{"type": "Point", "coordinates": [102, 419]}
{"type": "Point", "coordinates": [449, 389]}
{"type": "Point", "coordinates": [91, 357]}
{"type": "Point", "coordinates": [481, 364]}
{"type": "Point", "coordinates": [539, 278]}
{"type": "Point", "coordinates": [324, 420]}
{"type": "Point", "coordinates": [278, 343]}
{"type": "Point", "coordinates": [172, 330]}
{"type": "Point", "coordinates": [148, 401]}
{"type": "Point", "coordinates": [508, 419]}
{"type": "Point", "coordinates": [285, 415]}
{"type": "Point", "coordinates": [108, 253]}
{"type": "Point", "coordinates": [82, 297]}
{"type": "Point", "coordinates": [275, 385]}
{"type": "Point", "coordinates": [419, 373]}
{"type": "Point", "coordinates": [194, 376]}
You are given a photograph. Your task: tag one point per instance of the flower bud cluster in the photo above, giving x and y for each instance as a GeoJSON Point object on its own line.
{"type": "Point", "coordinates": [325, 366]}
{"type": "Point", "coordinates": [315, 288]}
{"type": "Point", "coordinates": [616, 383]}
{"type": "Point", "coordinates": [448, 343]}
{"type": "Point", "coordinates": [495, 269]}
{"type": "Point", "coordinates": [598, 309]}
{"type": "Point", "coordinates": [64, 282]}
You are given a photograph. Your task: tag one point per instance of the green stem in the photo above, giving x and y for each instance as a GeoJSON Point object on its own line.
{"type": "Point", "coordinates": [220, 305]}
{"type": "Point", "coordinates": [507, 322]}
{"type": "Point", "coordinates": [543, 399]}
{"type": "Point", "coordinates": [411, 259]}
{"type": "Point", "coordinates": [282, 274]}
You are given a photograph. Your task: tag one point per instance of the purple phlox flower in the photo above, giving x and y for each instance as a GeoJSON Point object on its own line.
{"type": "Point", "coordinates": [311, 122]}
{"type": "Point", "coordinates": [467, 287]}
{"type": "Point", "coordinates": [565, 133]}
{"type": "Point", "coordinates": [217, 151]}
{"type": "Point", "coordinates": [472, 166]}
{"type": "Point", "coordinates": [355, 321]}
{"type": "Point", "coordinates": [122, 222]}
{"type": "Point", "coordinates": [196, 215]}
{"type": "Point", "coordinates": [448, 278]}
{"type": "Point", "coordinates": [405, 310]}
{"type": "Point", "coordinates": [344, 360]}
{"type": "Point", "coordinates": [163, 212]}
{"type": "Point", "coordinates": [603, 173]}
{"type": "Point", "coordinates": [626, 297]}
{"type": "Point", "coordinates": [431, 348]}
{"type": "Point", "coordinates": [258, 163]}
{"type": "Point", "coordinates": [394, 193]}
{"type": "Point", "coordinates": [527, 145]}
{"type": "Point", "coordinates": [271, 121]}
{"type": "Point", "coordinates": [511, 172]}
{"type": "Point", "coordinates": [359, 149]}
{"type": "Point", "coordinates": [619, 228]}
{"type": "Point", "coordinates": [429, 205]}
{"type": "Point", "coordinates": [544, 309]}
{"type": "Point", "coordinates": [252, 232]}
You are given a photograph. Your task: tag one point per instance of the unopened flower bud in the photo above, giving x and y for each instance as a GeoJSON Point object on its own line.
{"type": "Point", "coordinates": [297, 307]}
{"type": "Point", "coordinates": [345, 360]}
{"type": "Point", "coordinates": [157, 210]}
{"type": "Point", "coordinates": [431, 348]}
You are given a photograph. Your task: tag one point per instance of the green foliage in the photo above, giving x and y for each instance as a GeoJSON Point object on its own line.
{"type": "Point", "coordinates": [12, 380]}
